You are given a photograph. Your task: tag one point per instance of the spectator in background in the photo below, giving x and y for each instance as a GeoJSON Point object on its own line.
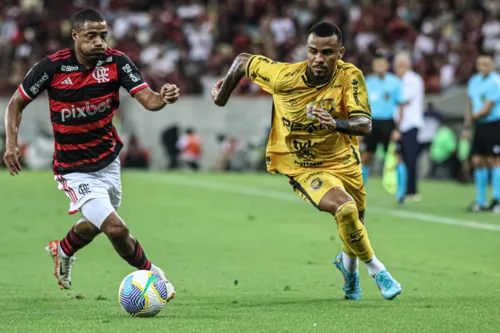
{"type": "Point", "coordinates": [184, 40]}
{"type": "Point", "coordinates": [432, 120]}
{"type": "Point", "coordinates": [189, 146]}
{"type": "Point", "coordinates": [410, 119]}
{"type": "Point", "coordinates": [135, 156]}
{"type": "Point", "coordinates": [233, 155]}
{"type": "Point", "coordinates": [169, 139]}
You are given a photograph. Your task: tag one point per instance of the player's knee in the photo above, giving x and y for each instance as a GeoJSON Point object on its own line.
{"type": "Point", "coordinates": [86, 230]}
{"type": "Point", "coordinates": [334, 199]}
{"type": "Point", "coordinates": [117, 232]}
{"type": "Point", "coordinates": [493, 162]}
{"type": "Point", "coordinates": [479, 162]}
{"type": "Point", "coordinates": [346, 213]}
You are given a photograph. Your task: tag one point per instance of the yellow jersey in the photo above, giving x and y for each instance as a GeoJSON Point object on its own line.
{"type": "Point", "coordinates": [297, 143]}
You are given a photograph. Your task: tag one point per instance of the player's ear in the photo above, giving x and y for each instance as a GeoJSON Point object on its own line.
{"type": "Point", "coordinates": [74, 34]}
{"type": "Point", "coordinates": [341, 52]}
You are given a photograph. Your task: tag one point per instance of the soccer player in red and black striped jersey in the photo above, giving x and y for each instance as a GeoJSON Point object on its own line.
{"type": "Point", "coordinates": [82, 85]}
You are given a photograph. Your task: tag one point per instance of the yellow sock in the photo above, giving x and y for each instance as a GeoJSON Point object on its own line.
{"type": "Point", "coordinates": [353, 232]}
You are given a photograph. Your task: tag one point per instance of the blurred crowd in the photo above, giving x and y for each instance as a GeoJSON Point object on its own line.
{"type": "Point", "coordinates": [192, 42]}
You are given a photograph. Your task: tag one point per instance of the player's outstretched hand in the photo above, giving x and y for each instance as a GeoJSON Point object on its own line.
{"type": "Point", "coordinates": [216, 89]}
{"type": "Point", "coordinates": [11, 159]}
{"type": "Point", "coordinates": [324, 117]}
{"type": "Point", "coordinates": [169, 93]}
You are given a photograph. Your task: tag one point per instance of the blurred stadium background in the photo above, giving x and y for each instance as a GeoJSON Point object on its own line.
{"type": "Point", "coordinates": [212, 230]}
{"type": "Point", "coordinates": [192, 43]}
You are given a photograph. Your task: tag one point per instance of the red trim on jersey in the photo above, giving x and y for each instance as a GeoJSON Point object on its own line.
{"type": "Point", "coordinates": [117, 137]}
{"type": "Point", "coordinates": [139, 88]}
{"type": "Point", "coordinates": [86, 145]}
{"type": "Point", "coordinates": [24, 94]}
{"type": "Point", "coordinates": [56, 106]}
{"type": "Point", "coordinates": [59, 53]}
{"type": "Point", "coordinates": [63, 57]}
{"type": "Point", "coordinates": [83, 79]}
{"type": "Point", "coordinates": [95, 159]}
{"type": "Point", "coordinates": [73, 212]}
{"type": "Point", "coordinates": [65, 129]}
{"type": "Point", "coordinates": [110, 51]}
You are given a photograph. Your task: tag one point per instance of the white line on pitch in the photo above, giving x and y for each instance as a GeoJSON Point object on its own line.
{"type": "Point", "coordinates": [272, 194]}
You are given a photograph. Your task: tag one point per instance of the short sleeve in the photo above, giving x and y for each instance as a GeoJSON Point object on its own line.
{"type": "Point", "coordinates": [37, 80]}
{"type": "Point", "coordinates": [264, 72]}
{"type": "Point", "coordinates": [469, 85]}
{"type": "Point", "coordinates": [129, 76]}
{"type": "Point", "coordinates": [493, 92]}
{"type": "Point", "coordinates": [356, 95]}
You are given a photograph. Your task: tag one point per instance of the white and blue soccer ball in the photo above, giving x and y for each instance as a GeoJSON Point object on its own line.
{"type": "Point", "coordinates": [142, 294]}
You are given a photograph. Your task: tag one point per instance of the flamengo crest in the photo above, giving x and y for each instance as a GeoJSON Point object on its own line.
{"type": "Point", "coordinates": [100, 74]}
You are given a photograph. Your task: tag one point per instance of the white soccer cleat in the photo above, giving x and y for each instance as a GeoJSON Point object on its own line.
{"type": "Point", "coordinates": [62, 265]}
{"type": "Point", "coordinates": [170, 287]}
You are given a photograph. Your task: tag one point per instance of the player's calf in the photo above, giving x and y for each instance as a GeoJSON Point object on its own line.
{"type": "Point", "coordinates": [125, 245]}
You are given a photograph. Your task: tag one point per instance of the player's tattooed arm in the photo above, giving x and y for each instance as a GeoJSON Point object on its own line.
{"type": "Point", "coordinates": [223, 88]}
{"type": "Point", "coordinates": [154, 101]}
{"type": "Point", "coordinates": [13, 118]}
{"type": "Point", "coordinates": [358, 125]}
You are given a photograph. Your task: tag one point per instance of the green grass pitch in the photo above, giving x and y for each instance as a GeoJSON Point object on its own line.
{"type": "Point", "coordinates": [209, 231]}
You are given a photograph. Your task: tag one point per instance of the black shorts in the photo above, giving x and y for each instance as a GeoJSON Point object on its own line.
{"type": "Point", "coordinates": [381, 133]}
{"type": "Point", "coordinates": [486, 140]}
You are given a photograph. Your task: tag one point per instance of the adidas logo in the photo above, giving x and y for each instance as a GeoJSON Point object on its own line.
{"type": "Point", "coordinates": [67, 81]}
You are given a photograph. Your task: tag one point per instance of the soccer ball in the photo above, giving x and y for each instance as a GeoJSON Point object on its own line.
{"type": "Point", "coordinates": [142, 294]}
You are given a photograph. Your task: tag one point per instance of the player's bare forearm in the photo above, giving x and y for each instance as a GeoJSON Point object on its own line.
{"type": "Point", "coordinates": [13, 117]}
{"type": "Point", "coordinates": [233, 77]}
{"type": "Point", "coordinates": [401, 110]}
{"type": "Point", "coordinates": [150, 99]}
{"type": "Point", "coordinates": [154, 101]}
{"type": "Point", "coordinates": [355, 126]}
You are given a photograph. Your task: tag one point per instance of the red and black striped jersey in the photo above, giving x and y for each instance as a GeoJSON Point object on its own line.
{"type": "Point", "coordinates": [82, 104]}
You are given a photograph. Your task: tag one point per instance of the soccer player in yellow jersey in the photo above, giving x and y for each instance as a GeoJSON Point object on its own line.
{"type": "Point", "coordinates": [320, 106]}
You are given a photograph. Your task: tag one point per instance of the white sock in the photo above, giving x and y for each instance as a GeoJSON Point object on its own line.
{"type": "Point", "coordinates": [61, 252]}
{"type": "Point", "coordinates": [351, 264]}
{"type": "Point", "coordinates": [374, 266]}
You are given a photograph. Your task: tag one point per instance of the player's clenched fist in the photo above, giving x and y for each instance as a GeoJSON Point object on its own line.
{"type": "Point", "coordinates": [11, 159]}
{"type": "Point", "coordinates": [216, 89]}
{"type": "Point", "coordinates": [169, 93]}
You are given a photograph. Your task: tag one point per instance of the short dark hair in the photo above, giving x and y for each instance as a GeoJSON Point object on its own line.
{"type": "Point", "coordinates": [87, 14]}
{"type": "Point", "coordinates": [484, 53]}
{"type": "Point", "coordinates": [326, 29]}
{"type": "Point", "coordinates": [380, 55]}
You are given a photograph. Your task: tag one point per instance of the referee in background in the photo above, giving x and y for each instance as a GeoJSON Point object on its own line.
{"type": "Point", "coordinates": [483, 111]}
{"type": "Point", "coordinates": [384, 94]}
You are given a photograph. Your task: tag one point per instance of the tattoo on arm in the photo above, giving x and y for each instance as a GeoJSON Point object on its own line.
{"type": "Point", "coordinates": [354, 126]}
{"type": "Point", "coordinates": [233, 77]}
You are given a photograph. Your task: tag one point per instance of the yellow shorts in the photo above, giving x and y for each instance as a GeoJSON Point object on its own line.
{"type": "Point", "coordinates": [313, 185]}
